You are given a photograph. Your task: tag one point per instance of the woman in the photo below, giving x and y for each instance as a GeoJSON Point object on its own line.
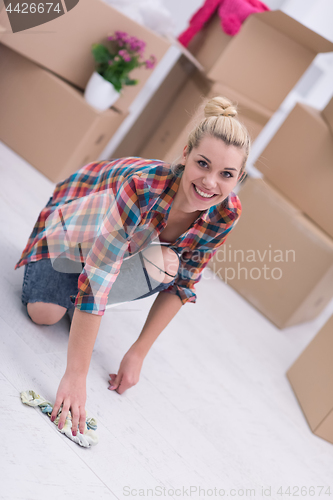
{"type": "Point", "coordinates": [190, 208]}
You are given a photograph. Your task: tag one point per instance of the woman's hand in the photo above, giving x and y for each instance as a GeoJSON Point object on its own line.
{"type": "Point", "coordinates": [72, 394]}
{"type": "Point", "coordinates": [129, 371]}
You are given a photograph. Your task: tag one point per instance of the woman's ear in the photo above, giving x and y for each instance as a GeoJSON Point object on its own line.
{"type": "Point", "coordinates": [184, 153]}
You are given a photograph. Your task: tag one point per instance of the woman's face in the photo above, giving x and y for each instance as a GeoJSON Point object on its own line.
{"type": "Point", "coordinates": [211, 173]}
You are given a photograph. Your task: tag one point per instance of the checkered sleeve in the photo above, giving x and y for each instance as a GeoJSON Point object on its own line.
{"type": "Point", "coordinates": [192, 264]}
{"type": "Point", "coordinates": [104, 260]}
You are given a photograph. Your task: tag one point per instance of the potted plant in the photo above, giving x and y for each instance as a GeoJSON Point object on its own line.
{"type": "Point", "coordinates": [113, 66]}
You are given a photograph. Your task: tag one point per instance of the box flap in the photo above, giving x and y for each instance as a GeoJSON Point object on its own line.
{"type": "Point", "coordinates": [185, 52]}
{"type": "Point", "coordinates": [252, 115]}
{"type": "Point", "coordinates": [266, 62]}
{"type": "Point", "coordinates": [257, 111]}
{"type": "Point", "coordinates": [303, 142]}
{"type": "Point", "coordinates": [295, 30]}
{"type": "Point", "coordinates": [327, 114]}
{"type": "Point", "coordinates": [208, 45]}
{"type": "Point", "coordinates": [325, 428]}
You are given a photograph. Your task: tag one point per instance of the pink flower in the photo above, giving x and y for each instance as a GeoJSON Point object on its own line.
{"type": "Point", "coordinates": [110, 62]}
{"type": "Point", "coordinates": [125, 55]}
{"type": "Point", "coordinates": [136, 45]}
{"type": "Point", "coordinates": [121, 34]}
{"type": "Point", "coordinates": [150, 63]}
{"type": "Point", "coordinates": [121, 38]}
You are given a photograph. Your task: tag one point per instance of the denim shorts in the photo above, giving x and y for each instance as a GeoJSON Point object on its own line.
{"type": "Point", "coordinates": [42, 283]}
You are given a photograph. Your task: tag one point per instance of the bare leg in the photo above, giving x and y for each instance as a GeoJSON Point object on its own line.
{"type": "Point", "coordinates": [43, 313]}
{"type": "Point", "coordinates": [164, 258]}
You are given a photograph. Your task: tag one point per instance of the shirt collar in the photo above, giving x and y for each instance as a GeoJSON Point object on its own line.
{"type": "Point", "coordinates": [169, 192]}
{"type": "Point", "coordinates": [224, 212]}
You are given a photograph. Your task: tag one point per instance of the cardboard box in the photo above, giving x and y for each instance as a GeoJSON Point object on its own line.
{"type": "Point", "coordinates": [47, 121]}
{"type": "Point", "coordinates": [161, 130]}
{"type": "Point", "coordinates": [155, 110]}
{"type": "Point", "coordinates": [276, 258]}
{"type": "Point", "coordinates": [311, 377]}
{"type": "Point", "coordinates": [298, 161]}
{"type": "Point", "coordinates": [264, 61]}
{"type": "Point", "coordinates": [63, 45]}
{"type": "Point", "coordinates": [187, 109]}
{"type": "Point", "coordinates": [169, 136]}
{"type": "Point", "coordinates": [327, 114]}
{"type": "Point", "coordinates": [256, 69]}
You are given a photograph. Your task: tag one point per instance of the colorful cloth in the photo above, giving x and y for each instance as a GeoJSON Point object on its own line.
{"type": "Point", "coordinates": [231, 12]}
{"type": "Point", "coordinates": [108, 211]}
{"type": "Point", "coordinates": [87, 439]}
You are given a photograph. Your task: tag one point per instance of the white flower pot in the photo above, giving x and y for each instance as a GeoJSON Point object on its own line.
{"type": "Point", "coordinates": [100, 93]}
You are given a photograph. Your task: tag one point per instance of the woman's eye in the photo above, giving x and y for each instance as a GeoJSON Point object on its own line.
{"type": "Point", "coordinates": [227, 174]}
{"type": "Point", "coordinates": [202, 163]}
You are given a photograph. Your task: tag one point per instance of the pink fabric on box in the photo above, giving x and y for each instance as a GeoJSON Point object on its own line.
{"type": "Point", "coordinates": [232, 13]}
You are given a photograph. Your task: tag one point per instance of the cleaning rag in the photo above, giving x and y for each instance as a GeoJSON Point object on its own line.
{"type": "Point", "coordinates": [87, 439]}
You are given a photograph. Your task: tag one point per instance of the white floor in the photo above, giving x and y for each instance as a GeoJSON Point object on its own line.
{"type": "Point", "coordinates": [213, 408]}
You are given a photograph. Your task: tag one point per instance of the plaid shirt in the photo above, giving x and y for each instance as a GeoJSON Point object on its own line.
{"type": "Point", "coordinates": [107, 211]}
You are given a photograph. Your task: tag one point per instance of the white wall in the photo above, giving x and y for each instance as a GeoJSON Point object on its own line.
{"type": "Point", "coordinates": [317, 15]}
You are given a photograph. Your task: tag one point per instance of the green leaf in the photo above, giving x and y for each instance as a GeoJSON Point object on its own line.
{"type": "Point", "coordinates": [111, 77]}
{"type": "Point", "coordinates": [101, 54]}
{"type": "Point", "coordinates": [128, 81]}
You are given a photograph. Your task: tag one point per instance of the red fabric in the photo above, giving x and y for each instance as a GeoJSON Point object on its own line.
{"type": "Point", "coordinates": [231, 12]}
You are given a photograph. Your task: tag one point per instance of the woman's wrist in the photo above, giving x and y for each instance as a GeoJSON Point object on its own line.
{"type": "Point", "coordinates": [75, 372]}
{"type": "Point", "coordinates": [141, 347]}
{"type": "Point", "coordinates": [78, 361]}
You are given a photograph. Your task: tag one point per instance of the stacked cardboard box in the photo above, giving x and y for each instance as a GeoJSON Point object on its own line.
{"type": "Point", "coordinates": [43, 72]}
{"type": "Point", "coordinates": [311, 377]}
{"type": "Point", "coordinates": [297, 164]}
{"type": "Point", "coordinates": [276, 257]}
{"type": "Point", "coordinates": [155, 112]}
{"type": "Point", "coordinates": [264, 61]}
{"type": "Point", "coordinates": [261, 65]}
{"type": "Point", "coordinates": [63, 45]}
{"type": "Point", "coordinates": [47, 121]}
{"type": "Point", "coordinates": [170, 136]}
{"type": "Point", "coordinates": [257, 69]}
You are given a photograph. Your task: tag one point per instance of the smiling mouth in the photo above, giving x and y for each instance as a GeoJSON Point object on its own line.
{"type": "Point", "coordinates": [202, 194]}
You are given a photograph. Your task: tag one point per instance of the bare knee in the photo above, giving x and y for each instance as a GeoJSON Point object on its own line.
{"type": "Point", "coordinates": [43, 313]}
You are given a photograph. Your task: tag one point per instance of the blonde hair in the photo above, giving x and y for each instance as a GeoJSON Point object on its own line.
{"type": "Point", "coordinates": [220, 122]}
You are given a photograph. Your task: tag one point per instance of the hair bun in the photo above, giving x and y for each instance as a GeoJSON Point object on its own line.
{"type": "Point", "coordinates": [220, 106]}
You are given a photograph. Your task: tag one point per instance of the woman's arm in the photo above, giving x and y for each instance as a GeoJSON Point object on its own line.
{"type": "Point", "coordinates": [164, 308]}
{"type": "Point", "coordinates": [84, 329]}
{"type": "Point", "coordinates": [72, 389]}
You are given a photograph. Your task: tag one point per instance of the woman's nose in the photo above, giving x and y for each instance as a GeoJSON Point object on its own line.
{"type": "Point", "coordinates": [209, 181]}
